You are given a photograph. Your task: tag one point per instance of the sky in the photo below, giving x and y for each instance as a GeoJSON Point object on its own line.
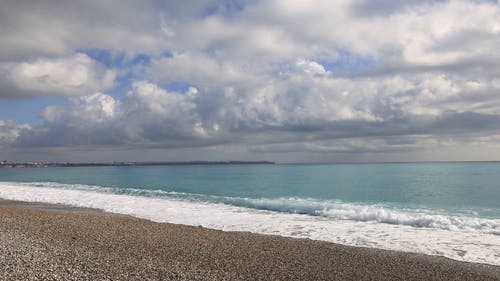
{"type": "Point", "coordinates": [286, 81]}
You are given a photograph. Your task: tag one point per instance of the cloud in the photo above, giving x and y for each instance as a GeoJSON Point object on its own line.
{"type": "Point", "coordinates": [296, 108]}
{"type": "Point", "coordinates": [57, 28]}
{"type": "Point", "coordinates": [402, 32]}
{"type": "Point", "coordinates": [10, 131]}
{"type": "Point", "coordinates": [74, 75]}
{"type": "Point", "coordinates": [335, 77]}
{"type": "Point", "coordinates": [146, 115]}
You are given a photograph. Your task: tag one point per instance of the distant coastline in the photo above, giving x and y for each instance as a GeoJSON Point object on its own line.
{"type": "Point", "coordinates": [5, 164]}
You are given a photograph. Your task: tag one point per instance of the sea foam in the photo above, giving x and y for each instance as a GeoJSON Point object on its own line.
{"type": "Point", "coordinates": [422, 231]}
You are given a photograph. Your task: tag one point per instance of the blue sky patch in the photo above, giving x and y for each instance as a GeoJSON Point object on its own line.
{"type": "Point", "coordinates": [348, 62]}
{"type": "Point", "coordinates": [123, 84]}
{"type": "Point", "coordinates": [167, 54]}
{"type": "Point", "coordinates": [179, 87]}
{"type": "Point", "coordinates": [24, 111]}
{"type": "Point", "coordinates": [103, 56]}
{"type": "Point", "coordinates": [114, 59]}
{"type": "Point", "coordinates": [226, 8]}
{"type": "Point", "coordinates": [140, 59]}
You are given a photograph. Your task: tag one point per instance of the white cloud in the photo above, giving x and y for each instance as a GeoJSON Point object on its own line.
{"type": "Point", "coordinates": [88, 110]}
{"type": "Point", "coordinates": [273, 71]}
{"type": "Point", "coordinates": [146, 115]}
{"type": "Point", "coordinates": [9, 131]}
{"type": "Point", "coordinates": [51, 28]}
{"type": "Point", "coordinates": [425, 33]}
{"type": "Point", "coordinates": [74, 75]}
{"type": "Point", "coordinates": [200, 69]}
{"type": "Point", "coordinates": [413, 32]}
{"type": "Point", "coordinates": [311, 67]}
{"type": "Point", "coordinates": [159, 115]}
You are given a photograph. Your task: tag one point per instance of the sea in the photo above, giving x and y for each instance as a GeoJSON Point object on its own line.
{"type": "Point", "coordinates": [444, 209]}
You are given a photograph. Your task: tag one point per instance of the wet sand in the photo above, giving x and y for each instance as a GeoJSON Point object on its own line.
{"type": "Point", "coordinates": [51, 242]}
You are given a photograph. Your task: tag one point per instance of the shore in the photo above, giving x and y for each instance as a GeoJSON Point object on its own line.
{"type": "Point", "coordinates": [51, 242]}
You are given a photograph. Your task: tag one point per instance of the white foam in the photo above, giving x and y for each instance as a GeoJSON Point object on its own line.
{"type": "Point", "coordinates": [373, 213]}
{"type": "Point", "coordinates": [473, 246]}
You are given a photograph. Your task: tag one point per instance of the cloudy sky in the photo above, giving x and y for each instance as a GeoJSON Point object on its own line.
{"type": "Point", "coordinates": [280, 80]}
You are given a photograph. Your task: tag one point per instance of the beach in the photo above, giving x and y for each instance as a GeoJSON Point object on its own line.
{"type": "Point", "coordinates": [54, 242]}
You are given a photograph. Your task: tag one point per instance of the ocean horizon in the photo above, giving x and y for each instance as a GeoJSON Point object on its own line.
{"type": "Point", "coordinates": [448, 209]}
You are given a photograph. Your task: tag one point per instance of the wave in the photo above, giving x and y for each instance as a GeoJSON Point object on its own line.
{"type": "Point", "coordinates": [376, 226]}
{"type": "Point", "coordinates": [329, 209]}
{"type": "Point", "coordinates": [373, 213]}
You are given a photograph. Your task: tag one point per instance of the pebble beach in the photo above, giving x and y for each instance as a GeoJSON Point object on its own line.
{"type": "Point", "coordinates": [53, 242]}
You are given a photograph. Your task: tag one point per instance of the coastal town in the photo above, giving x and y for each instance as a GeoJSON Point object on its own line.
{"type": "Point", "coordinates": [8, 164]}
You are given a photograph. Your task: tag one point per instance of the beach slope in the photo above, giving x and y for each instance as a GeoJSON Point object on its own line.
{"type": "Point", "coordinates": [49, 242]}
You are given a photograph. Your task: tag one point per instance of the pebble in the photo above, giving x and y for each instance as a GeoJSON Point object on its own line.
{"type": "Point", "coordinates": [49, 242]}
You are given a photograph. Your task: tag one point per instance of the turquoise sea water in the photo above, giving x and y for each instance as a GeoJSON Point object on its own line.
{"type": "Point", "coordinates": [454, 187]}
{"type": "Point", "coordinates": [312, 201]}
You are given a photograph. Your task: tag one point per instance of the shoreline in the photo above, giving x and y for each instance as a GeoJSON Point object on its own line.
{"type": "Point", "coordinates": [71, 242]}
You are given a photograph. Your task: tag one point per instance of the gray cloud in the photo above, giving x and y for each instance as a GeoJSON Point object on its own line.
{"type": "Point", "coordinates": [277, 76]}
{"type": "Point", "coordinates": [59, 27]}
{"type": "Point", "coordinates": [147, 114]}
{"type": "Point", "coordinates": [74, 75]}
{"type": "Point", "coordinates": [10, 131]}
